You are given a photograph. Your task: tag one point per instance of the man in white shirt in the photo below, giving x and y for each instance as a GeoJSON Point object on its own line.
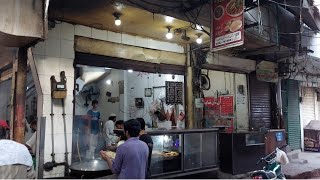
{"type": "Point", "coordinates": [32, 142]}
{"type": "Point", "coordinates": [15, 159]}
{"type": "Point", "coordinates": [108, 130]}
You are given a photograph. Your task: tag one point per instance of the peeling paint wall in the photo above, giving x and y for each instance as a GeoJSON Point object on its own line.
{"type": "Point", "coordinates": [218, 61]}
{"type": "Point", "coordinates": [21, 21]}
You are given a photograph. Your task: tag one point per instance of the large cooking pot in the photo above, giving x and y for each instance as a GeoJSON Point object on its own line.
{"type": "Point", "coordinates": [90, 169]}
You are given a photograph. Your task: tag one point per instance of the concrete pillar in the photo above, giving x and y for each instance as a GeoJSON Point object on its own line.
{"type": "Point", "coordinates": [20, 96]}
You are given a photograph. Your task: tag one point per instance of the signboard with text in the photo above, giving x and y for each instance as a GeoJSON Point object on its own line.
{"type": "Point", "coordinates": [227, 24]}
{"type": "Point", "coordinates": [174, 92]}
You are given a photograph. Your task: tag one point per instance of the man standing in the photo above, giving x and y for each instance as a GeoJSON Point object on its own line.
{"type": "Point", "coordinates": [94, 127]}
{"type": "Point", "coordinates": [31, 143]}
{"type": "Point", "coordinates": [131, 157]}
{"type": "Point", "coordinates": [119, 124]}
{"type": "Point", "coordinates": [148, 140]}
{"type": "Point", "coordinates": [108, 130]}
{"type": "Point", "coordinates": [15, 159]}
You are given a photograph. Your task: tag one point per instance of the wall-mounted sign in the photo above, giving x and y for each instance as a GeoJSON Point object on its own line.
{"type": "Point", "coordinates": [227, 24]}
{"type": "Point", "coordinates": [266, 71]}
{"type": "Point", "coordinates": [174, 92]}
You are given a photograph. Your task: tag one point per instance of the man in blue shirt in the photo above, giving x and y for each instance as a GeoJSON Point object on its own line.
{"type": "Point", "coordinates": [94, 128]}
{"type": "Point", "coordinates": [131, 156]}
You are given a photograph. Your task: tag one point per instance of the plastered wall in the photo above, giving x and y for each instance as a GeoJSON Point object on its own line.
{"type": "Point", "coordinates": [135, 85]}
{"type": "Point", "coordinates": [56, 54]}
{"type": "Point", "coordinates": [225, 82]}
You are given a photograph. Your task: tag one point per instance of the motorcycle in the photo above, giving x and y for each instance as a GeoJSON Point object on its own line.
{"type": "Point", "coordinates": [272, 169]}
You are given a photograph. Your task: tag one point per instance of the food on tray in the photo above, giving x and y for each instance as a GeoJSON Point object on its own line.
{"type": "Point", "coordinates": [234, 8]}
{"type": "Point", "coordinates": [218, 12]}
{"type": "Point", "coordinates": [111, 154]}
{"type": "Point", "coordinates": [170, 154]}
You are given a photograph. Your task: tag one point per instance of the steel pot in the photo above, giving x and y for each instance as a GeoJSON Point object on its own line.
{"type": "Point", "coordinates": [90, 169]}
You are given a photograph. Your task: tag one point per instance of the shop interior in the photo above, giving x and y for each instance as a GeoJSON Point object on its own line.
{"type": "Point", "coordinates": [127, 93]}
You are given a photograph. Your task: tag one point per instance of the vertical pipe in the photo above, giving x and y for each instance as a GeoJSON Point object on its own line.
{"type": "Point", "coordinates": [190, 115]}
{"type": "Point", "coordinates": [189, 91]}
{"type": "Point", "coordinates": [279, 103]}
{"type": "Point", "coordinates": [20, 98]}
{"type": "Point", "coordinates": [12, 98]}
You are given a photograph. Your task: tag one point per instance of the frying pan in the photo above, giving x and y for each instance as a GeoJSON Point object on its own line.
{"type": "Point", "coordinates": [90, 169]}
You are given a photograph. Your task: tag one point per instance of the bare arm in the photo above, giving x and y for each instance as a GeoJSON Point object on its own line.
{"type": "Point", "coordinates": [106, 158]}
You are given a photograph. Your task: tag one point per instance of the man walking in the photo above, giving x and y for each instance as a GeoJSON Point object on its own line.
{"type": "Point", "coordinates": [131, 156]}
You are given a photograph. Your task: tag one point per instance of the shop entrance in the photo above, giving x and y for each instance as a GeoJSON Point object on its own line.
{"type": "Point", "coordinates": [125, 88]}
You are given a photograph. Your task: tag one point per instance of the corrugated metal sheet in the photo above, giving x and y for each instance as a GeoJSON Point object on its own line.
{"type": "Point", "coordinates": [293, 116]}
{"type": "Point", "coordinates": [308, 105]}
{"type": "Point", "coordinates": [260, 103]}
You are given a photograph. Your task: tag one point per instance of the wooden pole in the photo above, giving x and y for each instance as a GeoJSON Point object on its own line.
{"type": "Point", "coordinates": [12, 98]}
{"type": "Point", "coordinates": [20, 96]}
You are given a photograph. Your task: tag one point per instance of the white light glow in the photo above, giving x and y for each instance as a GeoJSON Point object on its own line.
{"type": "Point", "coordinates": [169, 19]}
{"type": "Point", "coordinates": [199, 40]}
{"type": "Point", "coordinates": [130, 71]}
{"type": "Point", "coordinates": [117, 22]}
{"type": "Point", "coordinates": [165, 138]}
{"type": "Point", "coordinates": [169, 35]}
{"type": "Point", "coordinates": [198, 27]}
{"type": "Point", "coordinates": [106, 68]}
{"type": "Point", "coordinates": [108, 81]}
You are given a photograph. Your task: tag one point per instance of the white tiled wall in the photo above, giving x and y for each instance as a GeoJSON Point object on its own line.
{"type": "Point", "coordinates": [57, 54]}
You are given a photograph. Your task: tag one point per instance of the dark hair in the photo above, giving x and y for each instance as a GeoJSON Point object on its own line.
{"type": "Point", "coordinates": [95, 102]}
{"type": "Point", "coordinates": [133, 127]}
{"type": "Point", "coordinates": [119, 122]}
{"type": "Point", "coordinates": [34, 122]}
{"type": "Point", "coordinates": [112, 117]}
{"type": "Point", "coordinates": [3, 133]}
{"type": "Point", "coordinates": [142, 123]}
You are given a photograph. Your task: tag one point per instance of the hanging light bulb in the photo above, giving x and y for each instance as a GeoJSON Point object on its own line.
{"type": "Point", "coordinates": [117, 20]}
{"type": "Point", "coordinates": [199, 39]}
{"type": "Point", "coordinates": [169, 35]}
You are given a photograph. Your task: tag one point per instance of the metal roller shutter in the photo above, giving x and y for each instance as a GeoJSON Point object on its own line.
{"type": "Point", "coordinates": [293, 114]}
{"type": "Point", "coordinates": [260, 103]}
{"type": "Point", "coordinates": [308, 105]}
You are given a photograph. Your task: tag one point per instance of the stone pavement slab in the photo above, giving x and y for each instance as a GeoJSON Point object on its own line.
{"type": "Point", "coordinates": [306, 166]}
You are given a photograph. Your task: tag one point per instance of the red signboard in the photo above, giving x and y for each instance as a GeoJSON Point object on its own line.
{"type": "Point", "coordinates": [227, 24]}
{"type": "Point", "coordinates": [211, 107]}
{"type": "Point", "coordinates": [226, 105]}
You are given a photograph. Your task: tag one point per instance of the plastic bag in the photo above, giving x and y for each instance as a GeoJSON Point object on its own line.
{"type": "Point", "coordinates": [281, 157]}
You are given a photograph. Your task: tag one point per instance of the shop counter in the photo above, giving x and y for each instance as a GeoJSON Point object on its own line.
{"type": "Point", "coordinates": [182, 152]}
{"type": "Point", "coordinates": [239, 151]}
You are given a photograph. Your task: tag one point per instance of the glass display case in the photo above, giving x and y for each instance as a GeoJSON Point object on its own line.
{"type": "Point", "coordinates": [166, 154]}
{"type": "Point", "coordinates": [177, 152]}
